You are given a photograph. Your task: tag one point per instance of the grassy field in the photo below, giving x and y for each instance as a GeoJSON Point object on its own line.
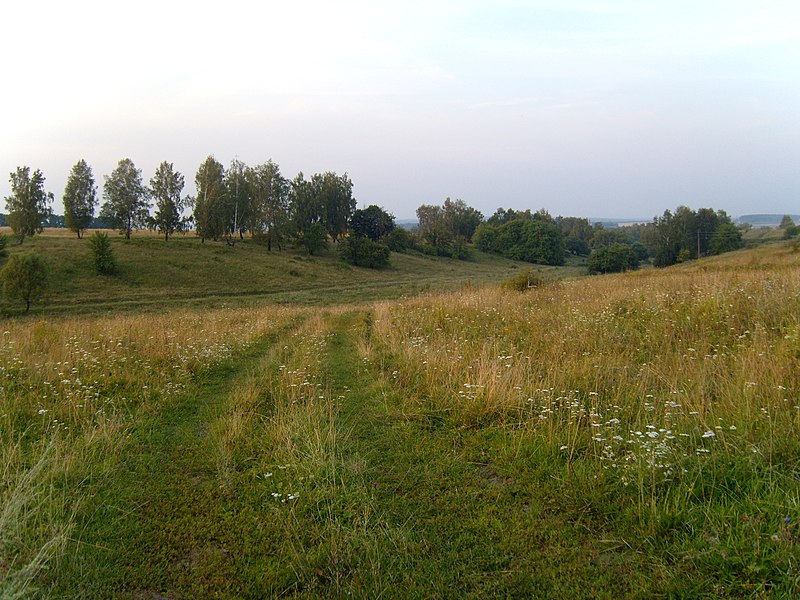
{"type": "Point", "coordinates": [185, 272]}
{"type": "Point", "coordinates": [619, 436]}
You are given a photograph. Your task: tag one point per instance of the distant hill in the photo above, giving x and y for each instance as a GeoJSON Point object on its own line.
{"type": "Point", "coordinates": [764, 220]}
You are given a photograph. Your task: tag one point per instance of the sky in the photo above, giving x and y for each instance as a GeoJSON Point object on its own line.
{"type": "Point", "coordinates": [594, 108]}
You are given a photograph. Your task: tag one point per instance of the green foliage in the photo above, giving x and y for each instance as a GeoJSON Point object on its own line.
{"type": "Point", "coordinates": [372, 222]}
{"type": "Point", "coordinates": [209, 204]}
{"type": "Point", "coordinates": [337, 198]}
{"type": "Point", "coordinates": [166, 187]}
{"type": "Point", "coordinates": [530, 240]}
{"type": "Point", "coordinates": [726, 238]}
{"type": "Point", "coordinates": [315, 238]}
{"type": "Point", "coordinates": [126, 198]}
{"type": "Point", "coordinates": [103, 254]}
{"type": "Point", "coordinates": [615, 258]}
{"type": "Point", "coordinates": [239, 200]}
{"type": "Point", "coordinates": [502, 216]}
{"type": "Point", "coordinates": [80, 198]}
{"type": "Point", "coordinates": [484, 237]}
{"type": "Point", "coordinates": [459, 248]}
{"type": "Point", "coordinates": [269, 217]}
{"type": "Point", "coordinates": [400, 239]}
{"type": "Point", "coordinates": [523, 281]}
{"type": "Point", "coordinates": [364, 252]}
{"type": "Point", "coordinates": [791, 231]}
{"type": "Point", "coordinates": [28, 205]}
{"type": "Point", "coordinates": [576, 246]}
{"type": "Point", "coordinates": [678, 237]}
{"type": "Point", "coordinates": [3, 244]}
{"type": "Point", "coordinates": [24, 278]}
{"type": "Point", "coordinates": [439, 226]}
{"type": "Point", "coordinates": [786, 222]}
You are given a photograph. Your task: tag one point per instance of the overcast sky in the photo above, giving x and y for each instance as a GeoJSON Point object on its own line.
{"type": "Point", "coordinates": [619, 108]}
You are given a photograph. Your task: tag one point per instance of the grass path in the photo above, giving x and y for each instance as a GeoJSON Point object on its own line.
{"type": "Point", "coordinates": [390, 504]}
{"type": "Point", "coordinates": [163, 525]}
{"type": "Point", "coordinates": [457, 512]}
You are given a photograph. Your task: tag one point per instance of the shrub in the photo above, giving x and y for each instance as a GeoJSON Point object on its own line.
{"type": "Point", "coordinates": [400, 240]}
{"type": "Point", "coordinates": [363, 252]}
{"type": "Point", "coordinates": [25, 278]}
{"type": "Point", "coordinates": [523, 281]}
{"type": "Point", "coordinates": [104, 262]}
{"type": "Point", "coordinates": [3, 243]}
{"type": "Point", "coordinates": [459, 249]}
{"type": "Point", "coordinates": [315, 238]}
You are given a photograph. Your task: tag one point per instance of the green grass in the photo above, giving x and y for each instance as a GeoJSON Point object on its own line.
{"type": "Point", "coordinates": [185, 272]}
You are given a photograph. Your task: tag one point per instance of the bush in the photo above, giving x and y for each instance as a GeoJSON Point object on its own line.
{"type": "Point", "coordinates": [3, 243]}
{"type": "Point", "coordinates": [315, 238]}
{"type": "Point", "coordinates": [104, 262]}
{"type": "Point", "coordinates": [523, 281]}
{"type": "Point", "coordinates": [363, 252]}
{"type": "Point", "coordinates": [615, 258]}
{"type": "Point", "coordinates": [24, 278]}
{"type": "Point", "coordinates": [400, 240]}
{"type": "Point", "coordinates": [791, 231]}
{"type": "Point", "coordinates": [459, 249]}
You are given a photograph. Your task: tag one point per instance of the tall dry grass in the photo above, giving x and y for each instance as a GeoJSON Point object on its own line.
{"type": "Point", "coordinates": [643, 378]}
{"type": "Point", "coordinates": [70, 391]}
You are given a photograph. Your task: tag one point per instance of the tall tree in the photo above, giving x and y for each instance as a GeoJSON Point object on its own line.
{"type": "Point", "coordinates": [461, 220]}
{"type": "Point", "coordinates": [239, 199]}
{"type": "Point", "coordinates": [80, 198]}
{"type": "Point", "coordinates": [305, 201]}
{"type": "Point", "coordinates": [166, 187]}
{"type": "Point", "coordinates": [126, 198]}
{"type": "Point", "coordinates": [269, 191]}
{"type": "Point", "coordinates": [209, 204]}
{"type": "Point", "coordinates": [28, 205]}
{"type": "Point", "coordinates": [337, 198]}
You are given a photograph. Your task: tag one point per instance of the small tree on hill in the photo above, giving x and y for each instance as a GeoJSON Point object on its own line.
{"type": "Point", "coordinates": [24, 278]}
{"type": "Point", "coordinates": [372, 222]}
{"type": "Point", "coordinates": [166, 187]}
{"type": "Point", "coordinates": [126, 206]}
{"type": "Point", "coordinates": [28, 205]}
{"type": "Point", "coordinates": [315, 238]}
{"type": "Point", "coordinates": [786, 222]}
{"type": "Point", "coordinates": [80, 198]}
{"type": "Point", "coordinates": [104, 261]}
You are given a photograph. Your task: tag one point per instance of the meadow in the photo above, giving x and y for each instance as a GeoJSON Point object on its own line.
{"type": "Point", "coordinates": [631, 435]}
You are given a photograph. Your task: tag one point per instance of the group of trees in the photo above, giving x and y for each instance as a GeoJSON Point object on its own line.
{"type": "Point", "coordinates": [256, 200]}
{"type": "Point", "coordinates": [687, 234]}
{"type": "Point", "coordinates": [523, 236]}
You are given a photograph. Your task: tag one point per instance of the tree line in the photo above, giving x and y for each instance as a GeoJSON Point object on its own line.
{"type": "Point", "coordinates": [260, 202]}
{"type": "Point", "coordinates": [231, 202]}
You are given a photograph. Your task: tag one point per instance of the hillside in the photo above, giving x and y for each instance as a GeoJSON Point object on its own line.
{"type": "Point", "coordinates": [154, 273]}
{"type": "Point", "coordinates": [622, 436]}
